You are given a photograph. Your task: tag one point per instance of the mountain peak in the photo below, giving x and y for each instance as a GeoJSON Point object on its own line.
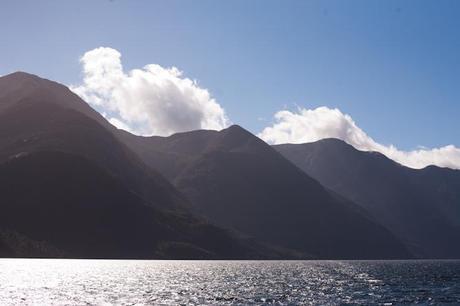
{"type": "Point", "coordinates": [236, 131]}
{"type": "Point", "coordinates": [21, 83]}
{"type": "Point", "coordinates": [20, 74]}
{"type": "Point", "coordinates": [236, 137]}
{"type": "Point", "coordinates": [234, 127]}
{"type": "Point", "coordinates": [23, 87]}
{"type": "Point", "coordinates": [21, 79]}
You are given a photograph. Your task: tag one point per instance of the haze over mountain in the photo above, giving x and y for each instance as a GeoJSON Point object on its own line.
{"type": "Point", "coordinates": [238, 181]}
{"type": "Point", "coordinates": [69, 187]}
{"type": "Point", "coordinates": [422, 207]}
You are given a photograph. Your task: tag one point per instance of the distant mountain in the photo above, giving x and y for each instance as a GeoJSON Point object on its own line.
{"type": "Point", "coordinates": [422, 207]}
{"type": "Point", "coordinates": [70, 188]}
{"type": "Point", "coordinates": [238, 181]}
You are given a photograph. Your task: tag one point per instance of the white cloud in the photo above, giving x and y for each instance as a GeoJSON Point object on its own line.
{"type": "Point", "coordinates": [149, 101]}
{"type": "Point", "coordinates": [308, 125]}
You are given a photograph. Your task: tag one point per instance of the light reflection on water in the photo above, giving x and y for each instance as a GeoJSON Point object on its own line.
{"type": "Point", "coordinates": [82, 282]}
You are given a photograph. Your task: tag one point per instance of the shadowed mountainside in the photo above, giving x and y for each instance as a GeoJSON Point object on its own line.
{"type": "Point", "coordinates": [37, 114]}
{"type": "Point", "coordinates": [422, 207]}
{"type": "Point", "coordinates": [76, 207]}
{"type": "Point", "coordinates": [69, 186]}
{"type": "Point", "coordinates": [239, 182]}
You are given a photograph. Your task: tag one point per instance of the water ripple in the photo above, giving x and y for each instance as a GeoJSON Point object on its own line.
{"type": "Point", "coordinates": [112, 282]}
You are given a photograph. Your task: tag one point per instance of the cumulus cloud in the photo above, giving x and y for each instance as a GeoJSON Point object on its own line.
{"type": "Point", "coordinates": [308, 125]}
{"type": "Point", "coordinates": [150, 101]}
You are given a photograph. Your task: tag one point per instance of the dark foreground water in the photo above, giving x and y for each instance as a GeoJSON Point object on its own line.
{"type": "Point", "coordinates": [82, 282]}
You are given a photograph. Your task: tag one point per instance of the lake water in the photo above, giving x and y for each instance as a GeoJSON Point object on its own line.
{"type": "Point", "coordinates": [82, 282]}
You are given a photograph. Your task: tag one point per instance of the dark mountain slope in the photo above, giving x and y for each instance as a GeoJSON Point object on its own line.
{"type": "Point", "coordinates": [14, 244]}
{"type": "Point", "coordinates": [420, 206]}
{"type": "Point", "coordinates": [442, 186]}
{"type": "Point", "coordinates": [77, 208]}
{"type": "Point", "coordinates": [21, 86]}
{"type": "Point", "coordinates": [37, 115]}
{"type": "Point", "coordinates": [71, 188]}
{"type": "Point", "coordinates": [238, 181]}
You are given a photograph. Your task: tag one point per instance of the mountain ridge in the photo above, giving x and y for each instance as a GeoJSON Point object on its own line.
{"type": "Point", "coordinates": [236, 180]}
{"type": "Point", "coordinates": [421, 206]}
{"type": "Point", "coordinates": [51, 138]}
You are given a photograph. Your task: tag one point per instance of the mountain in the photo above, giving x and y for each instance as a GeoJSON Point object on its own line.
{"type": "Point", "coordinates": [239, 182]}
{"type": "Point", "coordinates": [76, 207]}
{"type": "Point", "coordinates": [70, 188]}
{"type": "Point", "coordinates": [422, 207]}
{"type": "Point", "coordinates": [37, 114]}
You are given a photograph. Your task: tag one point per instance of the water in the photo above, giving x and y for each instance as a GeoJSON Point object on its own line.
{"type": "Point", "coordinates": [82, 282]}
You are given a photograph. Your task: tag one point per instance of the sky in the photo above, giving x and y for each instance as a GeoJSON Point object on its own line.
{"type": "Point", "coordinates": [381, 75]}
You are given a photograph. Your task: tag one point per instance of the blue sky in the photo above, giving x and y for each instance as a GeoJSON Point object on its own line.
{"type": "Point", "coordinates": [394, 66]}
